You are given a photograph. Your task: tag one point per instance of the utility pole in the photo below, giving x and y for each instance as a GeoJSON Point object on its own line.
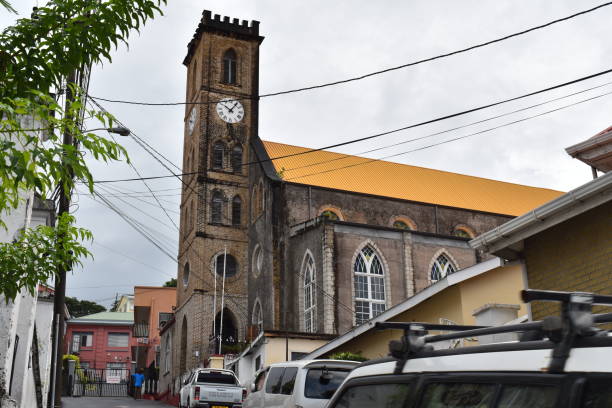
{"type": "Point", "coordinates": [60, 278]}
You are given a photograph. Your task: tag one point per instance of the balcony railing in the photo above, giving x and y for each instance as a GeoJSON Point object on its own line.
{"type": "Point", "coordinates": [141, 330]}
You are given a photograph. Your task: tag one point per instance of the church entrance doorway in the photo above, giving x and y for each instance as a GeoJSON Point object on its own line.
{"type": "Point", "coordinates": [226, 332]}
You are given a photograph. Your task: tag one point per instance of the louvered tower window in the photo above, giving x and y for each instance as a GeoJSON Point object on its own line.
{"type": "Point", "coordinates": [229, 66]}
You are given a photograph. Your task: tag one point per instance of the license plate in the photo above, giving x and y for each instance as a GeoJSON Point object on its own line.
{"type": "Point", "coordinates": [220, 406]}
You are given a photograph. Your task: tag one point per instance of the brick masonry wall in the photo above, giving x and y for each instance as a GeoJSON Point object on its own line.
{"type": "Point", "coordinates": [380, 211]}
{"type": "Point", "coordinates": [575, 255]}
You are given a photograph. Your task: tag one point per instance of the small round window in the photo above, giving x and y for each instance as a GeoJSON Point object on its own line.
{"type": "Point", "coordinates": [257, 260]}
{"type": "Point", "coordinates": [229, 267]}
{"type": "Point", "coordinates": [186, 274]}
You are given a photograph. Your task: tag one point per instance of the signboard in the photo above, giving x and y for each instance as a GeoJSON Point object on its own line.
{"type": "Point", "coordinates": [113, 377]}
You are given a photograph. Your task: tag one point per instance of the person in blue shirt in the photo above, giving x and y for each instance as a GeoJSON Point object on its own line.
{"type": "Point", "coordinates": [138, 379]}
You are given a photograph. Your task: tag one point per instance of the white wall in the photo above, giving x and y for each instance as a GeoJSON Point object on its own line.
{"type": "Point", "coordinates": [44, 326]}
{"type": "Point", "coordinates": [9, 312]}
{"type": "Point", "coordinates": [25, 331]}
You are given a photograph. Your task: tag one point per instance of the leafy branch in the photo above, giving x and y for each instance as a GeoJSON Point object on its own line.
{"type": "Point", "coordinates": [35, 255]}
{"type": "Point", "coordinates": [36, 57]}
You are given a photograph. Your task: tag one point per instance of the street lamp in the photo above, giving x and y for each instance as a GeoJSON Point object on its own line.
{"type": "Point", "coordinates": [120, 130]}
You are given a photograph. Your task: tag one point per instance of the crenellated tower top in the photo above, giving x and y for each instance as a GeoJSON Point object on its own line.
{"type": "Point", "coordinates": [224, 26]}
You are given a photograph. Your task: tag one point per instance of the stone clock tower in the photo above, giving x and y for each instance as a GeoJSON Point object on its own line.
{"type": "Point", "coordinates": [220, 119]}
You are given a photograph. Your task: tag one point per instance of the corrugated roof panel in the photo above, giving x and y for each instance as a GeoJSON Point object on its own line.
{"type": "Point", "coordinates": [388, 179]}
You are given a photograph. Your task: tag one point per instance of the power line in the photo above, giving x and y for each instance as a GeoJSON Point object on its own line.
{"type": "Point", "coordinates": [377, 135]}
{"type": "Point", "coordinates": [132, 259]}
{"type": "Point", "coordinates": [450, 129]}
{"type": "Point", "coordinates": [450, 140]}
{"type": "Point", "coordinates": [138, 173]}
{"type": "Point", "coordinates": [135, 225]}
{"type": "Point", "coordinates": [383, 71]}
{"type": "Point", "coordinates": [136, 208]}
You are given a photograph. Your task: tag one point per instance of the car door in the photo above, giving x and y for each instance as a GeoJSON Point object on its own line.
{"type": "Point", "coordinates": [185, 390]}
{"type": "Point", "coordinates": [499, 390]}
{"type": "Point", "coordinates": [273, 398]}
{"type": "Point", "coordinates": [256, 396]}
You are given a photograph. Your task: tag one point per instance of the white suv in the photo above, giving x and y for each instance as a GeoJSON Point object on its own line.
{"type": "Point", "coordinates": [211, 388]}
{"type": "Point", "coordinates": [301, 383]}
{"type": "Point", "coordinates": [561, 362]}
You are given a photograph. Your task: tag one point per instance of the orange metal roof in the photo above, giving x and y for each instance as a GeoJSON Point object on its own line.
{"type": "Point", "coordinates": [388, 179]}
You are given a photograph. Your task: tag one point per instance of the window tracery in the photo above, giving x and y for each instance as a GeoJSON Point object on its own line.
{"type": "Point", "coordinates": [369, 283]}
{"type": "Point", "coordinates": [441, 268]}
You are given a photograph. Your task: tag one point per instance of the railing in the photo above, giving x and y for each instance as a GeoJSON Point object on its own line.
{"type": "Point", "coordinates": [141, 330]}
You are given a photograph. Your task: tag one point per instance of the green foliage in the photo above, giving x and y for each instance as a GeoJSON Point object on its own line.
{"type": "Point", "coordinates": [38, 252]}
{"type": "Point", "coordinates": [7, 5]}
{"type": "Point", "coordinates": [348, 355]}
{"type": "Point", "coordinates": [171, 283]}
{"type": "Point", "coordinates": [78, 308]}
{"type": "Point", "coordinates": [37, 55]}
{"type": "Point", "coordinates": [27, 162]}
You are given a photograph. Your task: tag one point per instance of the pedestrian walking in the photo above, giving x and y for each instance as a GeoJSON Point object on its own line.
{"type": "Point", "coordinates": [138, 379]}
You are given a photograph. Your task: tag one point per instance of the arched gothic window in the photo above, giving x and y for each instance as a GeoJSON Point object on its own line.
{"type": "Point", "coordinates": [236, 211]}
{"type": "Point", "coordinates": [229, 66]}
{"type": "Point", "coordinates": [186, 274]}
{"type": "Point", "coordinates": [258, 316]}
{"type": "Point", "coordinates": [310, 299]}
{"type": "Point", "coordinates": [441, 268]}
{"type": "Point", "coordinates": [237, 159]}
{"type": "Point", "coordinates": [231, 267]}
{"type": "Point", "coordinates": [369, 285]}
{"type": "Point", "coordinates": [217, 155]}
{"type": "Point", "coordinates": [216, 208]}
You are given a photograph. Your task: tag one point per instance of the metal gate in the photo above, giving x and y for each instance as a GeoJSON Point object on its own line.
{"type": "Point", "coordinates": [101, 382]}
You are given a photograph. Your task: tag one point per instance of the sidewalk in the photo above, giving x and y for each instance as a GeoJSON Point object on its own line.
{"type": "Point", "coordinates": [109, 402]}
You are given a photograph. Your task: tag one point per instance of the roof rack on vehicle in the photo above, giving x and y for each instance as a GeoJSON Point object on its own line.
{"type": "Point", "coordinates": [576, 321]}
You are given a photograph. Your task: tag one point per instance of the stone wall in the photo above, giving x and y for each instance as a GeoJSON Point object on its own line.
{"type": "Point", "coordinates": [308, 202]}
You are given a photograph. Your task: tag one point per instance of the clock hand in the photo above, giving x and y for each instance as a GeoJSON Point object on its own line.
{"type": "Point", "coordinates": [233, 107]}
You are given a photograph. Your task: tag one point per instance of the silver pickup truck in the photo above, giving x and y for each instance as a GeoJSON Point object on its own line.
{"type": "Point", "coordinates": [211, 388]}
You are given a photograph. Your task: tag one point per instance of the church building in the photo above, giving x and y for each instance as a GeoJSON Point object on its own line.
{"type": "Point", "coordinates": [310, 243]}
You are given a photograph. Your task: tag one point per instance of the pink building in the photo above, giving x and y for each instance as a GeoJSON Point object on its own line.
{"type": "Point", "coordinates": [101, 340]}
{"type": "Point", "coordinates": [153, 307]}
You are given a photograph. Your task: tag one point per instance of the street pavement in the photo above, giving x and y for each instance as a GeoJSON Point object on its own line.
{"type": "Point", "coordinates": [110, 402]}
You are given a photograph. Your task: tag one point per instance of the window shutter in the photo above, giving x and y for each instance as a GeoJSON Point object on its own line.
{"type": "Point", "coordinates": [118, 339]}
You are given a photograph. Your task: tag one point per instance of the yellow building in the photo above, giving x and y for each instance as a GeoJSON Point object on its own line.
{"type": "Point", "coordinates": [481, 294]}
{"type": "Point", "coordinates": [565, 244]}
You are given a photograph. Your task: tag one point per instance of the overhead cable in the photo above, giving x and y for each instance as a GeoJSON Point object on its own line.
{"type": "Point", "coordinates": [377, 135]}
{"type": "Point", "coordinates": [383, 71]}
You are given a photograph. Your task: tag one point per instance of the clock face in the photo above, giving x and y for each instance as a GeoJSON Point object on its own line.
{"type": "Point", "coordinates": [191, 121]}
{"type": "Point", "coordinates": [230, 110]}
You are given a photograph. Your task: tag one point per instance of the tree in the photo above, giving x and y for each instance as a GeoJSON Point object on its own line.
{"type": "Point", "coordinates": [78, 308]}
{"type": "Point", "coordinates": [171, 283]}
{"type": "Point", "coordinates": [7, 5]}
{"type": "Point", "coordinates": [36, 57]}
{"type": "Point", "coordinates": [348, 355]}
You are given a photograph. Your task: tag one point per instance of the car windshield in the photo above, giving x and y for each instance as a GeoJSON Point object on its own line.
{"type": "Point", "coordinates": [217, 377]}
{"type": "Point", "coordinates": [322, 383]}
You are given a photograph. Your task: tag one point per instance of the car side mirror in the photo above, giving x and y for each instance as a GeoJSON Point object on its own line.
{"type": "Point", "coordinates": [253, 387]}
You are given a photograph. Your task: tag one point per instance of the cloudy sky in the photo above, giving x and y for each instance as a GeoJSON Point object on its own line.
{"type": "Point", "coordinates": [311, 42]}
